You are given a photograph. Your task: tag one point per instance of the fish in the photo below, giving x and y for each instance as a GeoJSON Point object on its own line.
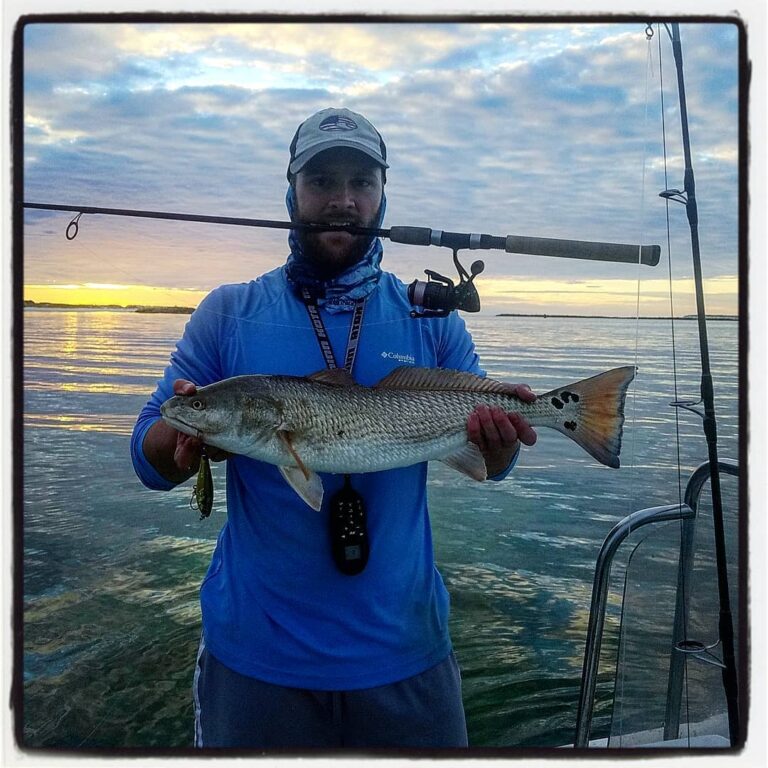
{"type": "Point", "coordinates": [326, 422]}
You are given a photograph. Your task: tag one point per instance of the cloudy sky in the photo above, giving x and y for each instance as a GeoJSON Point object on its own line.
{"type": "Point", "coordinates": [549, 130]}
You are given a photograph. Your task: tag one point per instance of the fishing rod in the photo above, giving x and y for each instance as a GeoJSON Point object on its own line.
{"type": "Point", "coordinates": [438, 296]}
{"type": "Point", "coordinates": [533, 246]}
{"type": "Point", "coordinates": [688, 198]}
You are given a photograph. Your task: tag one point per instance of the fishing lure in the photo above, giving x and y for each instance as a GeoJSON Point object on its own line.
{"type": "Point", "coordinates": [202, 493]}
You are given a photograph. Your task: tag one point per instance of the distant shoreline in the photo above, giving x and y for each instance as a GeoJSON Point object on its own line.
{"type": "Point", "coordinates": [28, 304]}
{"type": "Point", "coordinates": [619, 317]}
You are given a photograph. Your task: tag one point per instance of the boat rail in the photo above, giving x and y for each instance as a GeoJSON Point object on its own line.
{"type": "Point", "coordinates": [662, 514]}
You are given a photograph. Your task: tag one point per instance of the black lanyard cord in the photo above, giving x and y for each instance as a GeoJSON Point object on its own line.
{"type": "Point", "coordinates": [322, 335]}
{"type": "Point", "coordinates": [350, 540]}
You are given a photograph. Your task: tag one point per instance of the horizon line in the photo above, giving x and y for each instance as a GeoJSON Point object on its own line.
{"type": "Point", "coordinates": [30, 303]}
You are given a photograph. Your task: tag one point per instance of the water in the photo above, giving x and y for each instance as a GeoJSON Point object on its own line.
{"type": "Point", "coordinates": [112, 570]}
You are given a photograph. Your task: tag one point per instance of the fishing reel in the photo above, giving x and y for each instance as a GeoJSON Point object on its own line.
{"type": "Point", "coordinates": [438, 296]}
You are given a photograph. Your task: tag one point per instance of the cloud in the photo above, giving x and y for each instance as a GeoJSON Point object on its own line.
{"type": "Point", "coordinates": [507, 129]}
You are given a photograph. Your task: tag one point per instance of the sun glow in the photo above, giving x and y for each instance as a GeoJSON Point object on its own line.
{"type": "Point", "coordinates": [606, 296]}
{"type": "Point", "coordinates": [500, 294]}
{"type": "Point", "coordinates": [113, 294]}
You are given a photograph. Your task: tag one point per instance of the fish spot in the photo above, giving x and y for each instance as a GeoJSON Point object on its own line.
{"type": "Point", "coordinates": [557, 403]}
{"type": "Point", "coordinates": [569, 396]}
{"type": "Point", "coordinates": [340, 433]}
{"type": "Point", "coordinates": [570, 425]}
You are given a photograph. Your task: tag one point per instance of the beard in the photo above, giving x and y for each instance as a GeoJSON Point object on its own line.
{"type": "Point", "coordinates": [331, 253]}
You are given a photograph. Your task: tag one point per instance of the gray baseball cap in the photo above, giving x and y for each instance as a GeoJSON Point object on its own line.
{"type": "Point", "coordinates": [331, 128]}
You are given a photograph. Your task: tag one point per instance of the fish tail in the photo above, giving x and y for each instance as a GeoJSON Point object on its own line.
{"type": "Point", "coordinates": [591, 412]}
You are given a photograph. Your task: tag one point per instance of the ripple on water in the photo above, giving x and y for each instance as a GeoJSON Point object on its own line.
{"type": "Point", "coordinates": [112, 571]}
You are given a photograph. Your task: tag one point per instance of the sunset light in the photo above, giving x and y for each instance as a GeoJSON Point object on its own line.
{"type": "Point", "coordinates": [484, 133]}
{"type": "Point", "coordinates": [113, 294]}
{"type": "Point", "coordinates": [347, 351]}
{"type": "Point", "coordinates": [516, 295]}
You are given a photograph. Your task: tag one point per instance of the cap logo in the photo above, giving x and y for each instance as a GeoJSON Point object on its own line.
{"type": "Point", "coordinates": [338, 123]}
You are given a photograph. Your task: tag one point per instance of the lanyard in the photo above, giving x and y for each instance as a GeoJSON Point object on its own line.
{"type": "Point", "coordinates": [350, 540]}
{"type": "Point", "coordinates": [322, 335]}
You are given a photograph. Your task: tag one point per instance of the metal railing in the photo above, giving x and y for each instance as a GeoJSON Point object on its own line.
{"type": "Point", "coordinates": [687, 513]}
{"type": "Point", "coordinates": [677, 662]}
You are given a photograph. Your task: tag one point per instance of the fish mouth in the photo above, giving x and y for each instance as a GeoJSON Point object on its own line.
{"type": "Point", "coordinates": [181, 425]}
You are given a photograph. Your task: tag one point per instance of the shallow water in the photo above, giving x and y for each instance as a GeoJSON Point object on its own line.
{"type": "Point", "coordinates": [111, 570]}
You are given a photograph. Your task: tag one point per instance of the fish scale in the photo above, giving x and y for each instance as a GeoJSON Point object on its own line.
{"type": "Point", "coordinates": [327, 423]}
{"type": "Point", "coordinates": [370, 430]}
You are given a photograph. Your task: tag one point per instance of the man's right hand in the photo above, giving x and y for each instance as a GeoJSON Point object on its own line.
{"type": "Point", "coordinates": [175, 455]}
{"type": "Point", "coordinates": [186, 454]}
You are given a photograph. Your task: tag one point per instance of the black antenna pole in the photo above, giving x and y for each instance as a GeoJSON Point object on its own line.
{"type": "Point", "coordinates": [730, 680]}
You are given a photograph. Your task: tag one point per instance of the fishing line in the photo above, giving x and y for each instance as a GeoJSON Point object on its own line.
{"type": "Point", "coordinates": [683, 585]}
{"type": "Point", "coordinates": [670, 279]}
{"type": "Point", "coordinates": [622, 651]}
{"type": "Point", "coordinates": [622, 654]}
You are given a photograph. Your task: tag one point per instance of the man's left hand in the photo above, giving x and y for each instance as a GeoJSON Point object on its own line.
{"type": "Point", "coordinates": [498, 433]}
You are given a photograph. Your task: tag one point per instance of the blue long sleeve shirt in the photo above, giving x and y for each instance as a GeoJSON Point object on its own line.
{"type": "Point", "coordinates": [274, 605]}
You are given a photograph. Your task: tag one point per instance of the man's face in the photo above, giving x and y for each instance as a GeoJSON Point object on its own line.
{"type": "Point", "coordinates": [339, 186]}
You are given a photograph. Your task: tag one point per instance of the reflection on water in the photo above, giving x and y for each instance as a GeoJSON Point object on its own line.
{"type": "Point", "coordinates": [112, 570]}
{"type": "Point", "coordinates": [81, 422]}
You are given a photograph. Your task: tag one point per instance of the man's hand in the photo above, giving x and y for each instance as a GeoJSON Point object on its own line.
{"type": "Point", "coordinates": [498, 433]}
{"type": "Point", "coordinates": [186, 454]}
{"type": "Point", "coordinates": [175, 455]}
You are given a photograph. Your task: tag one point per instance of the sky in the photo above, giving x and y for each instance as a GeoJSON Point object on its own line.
{"type": "Point", "coordinates": [537, 129]}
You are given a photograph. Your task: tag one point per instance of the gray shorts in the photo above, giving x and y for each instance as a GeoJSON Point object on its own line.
{"type": "Point", "coordinates": [232, 710]}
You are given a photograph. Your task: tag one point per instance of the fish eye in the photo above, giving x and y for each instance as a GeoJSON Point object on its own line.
{"type": "Point", "coordinates": [198, 405]}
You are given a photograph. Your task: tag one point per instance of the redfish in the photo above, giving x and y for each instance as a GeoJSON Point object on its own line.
{"type": "Point", "coordinates": [327, 423]}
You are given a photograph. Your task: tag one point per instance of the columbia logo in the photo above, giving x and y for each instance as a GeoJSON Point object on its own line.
{"type": "Point", "coordinates": [338, 123]}
{"type": "Point", "coordinates": [409, 359]}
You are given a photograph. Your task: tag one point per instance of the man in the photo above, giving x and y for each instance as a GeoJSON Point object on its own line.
{"type": "Point", "coordinates": [295, 651]}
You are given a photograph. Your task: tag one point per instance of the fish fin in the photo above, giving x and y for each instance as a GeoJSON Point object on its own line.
{"type": "Point", "coordinates": [285, 437]}
{"type": "Point", "coordinates": [334, 377]}
{"type": "Point", "coordinates": [441, 379]}
{"type": "Point", "coordinates": [308, 487]}
{"type": "Point", "coordinates": [469, 460]}
{"type": "Point", "coordinates": [593, 412]}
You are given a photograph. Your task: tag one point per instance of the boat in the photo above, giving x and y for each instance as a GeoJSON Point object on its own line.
{"type": "Point", "coordinates": [674, 725]}
{"type": "Point", "coordinates": [639, 718]}
{"type": "Point", "coordinates": [687, 666]}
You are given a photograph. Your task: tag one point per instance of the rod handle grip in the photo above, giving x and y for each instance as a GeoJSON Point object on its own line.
{"type": "Point", "coordinates": [584, 249]}
{"type": "Point", "coordinates": [411, 235]}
